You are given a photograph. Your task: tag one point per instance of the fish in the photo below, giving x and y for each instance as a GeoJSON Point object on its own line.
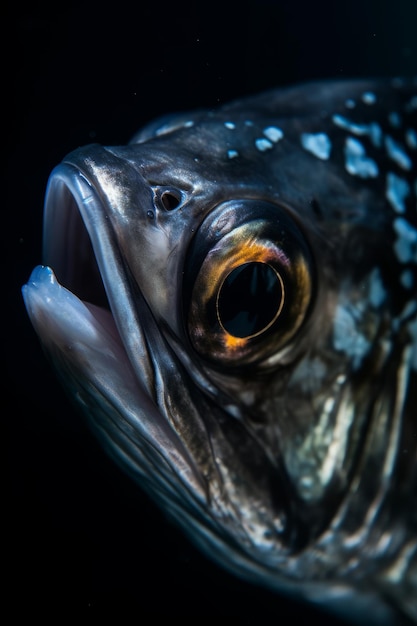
{"type": "Point", "coordinates": [231, 301]}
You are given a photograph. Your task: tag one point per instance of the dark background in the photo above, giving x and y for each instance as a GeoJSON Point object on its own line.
{"type": "Point", "coordinates": [82, 538]}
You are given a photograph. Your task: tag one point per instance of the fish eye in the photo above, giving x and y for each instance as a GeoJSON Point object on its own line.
{"type": "Point", "coordinates": [248, 283]}
{"type": "Point", "coordinates": [168, 199]}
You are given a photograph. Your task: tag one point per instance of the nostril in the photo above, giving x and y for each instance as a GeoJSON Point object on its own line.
{"type": "Point", "coordinates": [168, 199]}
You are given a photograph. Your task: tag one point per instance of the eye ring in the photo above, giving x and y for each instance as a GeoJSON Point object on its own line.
{"type": "Point", "coordinates": [248, 286]}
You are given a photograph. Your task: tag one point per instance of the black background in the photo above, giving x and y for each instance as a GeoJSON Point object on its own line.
{"type": "Point", "coordinates": [82, 538]}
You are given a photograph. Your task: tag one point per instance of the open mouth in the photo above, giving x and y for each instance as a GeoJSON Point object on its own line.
{"type": "Point", "coordinates": [94, 325]}
{"type": "Point", "coordinates": [67, 246]}
{"type": "Point", "coordinates": [72, 210]}
{"type": "Point", "coordinates": [73, 297]}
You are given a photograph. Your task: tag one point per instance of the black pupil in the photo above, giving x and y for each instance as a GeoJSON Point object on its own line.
{"type": "Point", "coordinates": [249, 299]}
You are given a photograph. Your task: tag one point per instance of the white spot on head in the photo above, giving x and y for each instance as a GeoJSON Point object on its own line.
{"type": "Point", "coordinates": [230, 125]}
{"type": "Point", "coordinates": [346, 335]}
{"type": "Point", "coordinates": [411, 138]}
{"type": "Point", "coordinates": [263, 144]}
{"type": "Point", "coordinates": [407, 279]}
{"type": "Point", "coordinates": [368, 97]}
{"type": "Point", "coordinates": [397, 153]}
{"type": "Point", "coordinates": [394, 119]}
{"type": "Point", "coordinates": [405, 246]}
{"type": "Point", "coordinates": [373, 130]}
{"type": "Point", "coordinates": [318, 144]}
{"type": "Point", "coordinates": [248, 397]}
{"type": "Point", "coordinates": [350, 328]}
{"type": "Point", "coordinates": [397, 190]}
{"type": "Point", "coordinates": [273, 133]}
{"type": "Point", "coordinates": [306, 481]}
{"type": "Point", "coordinates": [350, 104]}
{"type": "Point", "coordinates": [232, 154]}
{"type": "Point", "coordinates": [356, 161]}
{"type": "Point", "coordinates": [233, 410]}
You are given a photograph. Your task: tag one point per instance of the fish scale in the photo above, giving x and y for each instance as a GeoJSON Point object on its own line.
{"type": "Point", "coordinates": [231, 300]}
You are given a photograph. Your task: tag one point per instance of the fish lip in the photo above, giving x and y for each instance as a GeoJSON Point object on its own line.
{"type": "Point", "coordinates": [78, 241]}
{"type": "Point", "coordinates": [76, 218]}
{"type": "Point", "coordinates": [68, 232]}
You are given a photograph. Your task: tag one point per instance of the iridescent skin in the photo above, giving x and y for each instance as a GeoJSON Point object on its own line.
{"type": "Point", "coordinates": [287, 451]}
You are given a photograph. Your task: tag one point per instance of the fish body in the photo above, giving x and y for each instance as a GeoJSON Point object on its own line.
{"type": "Point", "coordinates": [231, 299]}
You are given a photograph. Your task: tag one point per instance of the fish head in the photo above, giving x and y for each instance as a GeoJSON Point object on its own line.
{"type": "Point", "coordinates": [232, 304]}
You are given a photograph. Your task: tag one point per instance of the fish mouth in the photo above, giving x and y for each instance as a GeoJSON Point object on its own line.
{"type": "Point", "coordinates": [81, 248]}
{"type": "Point", "coordinates": [80, 254]}
{"type": "Point", "coordinates": [99, 347]}
{"type": "Point", "coordinates": [67, 246]}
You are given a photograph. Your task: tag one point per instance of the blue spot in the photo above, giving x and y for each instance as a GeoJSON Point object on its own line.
{"type": "Point", "coordinates": [347, 337]}
{"type": "Point", "coordinates": [356, 161]}
{"type": "Point", "coordinates": [409, 310]}
{"type": "Point", "coordinates": [397, 153]}
{"type": "Point", "coordinates": [373, 130]}
{"type": "Point", "coordinates": [407, 279]}
{"type": "Point", "coordinates": [263, 144]}
{"type": "Point", "coordinates": [318, 144]}
{"type": "Point", "coordinates": [189, 124]}
{"type": "Point", "coordinates": [377, 293]}
{"type": "Point", "coordinates": [273, 133]}
{"type": "Point", "coordinates": [411, 138]}
{"type": "Point", "coordinates": [397, 190]}
{"type": "Point", "coordinates": [405, 246]}
{"type": "Point", "coordinates": [368, 97]}
{"type": "Point", "coordinates": [394, 119]}
{"type": "Point", "coordinates": [232, 154]}
{"type": "Point", "coordinates": [230, 125]}
{"type": "Point", "coordinates": [248, 123]}
{"type": "Point", "coordinates": [350, 104]}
